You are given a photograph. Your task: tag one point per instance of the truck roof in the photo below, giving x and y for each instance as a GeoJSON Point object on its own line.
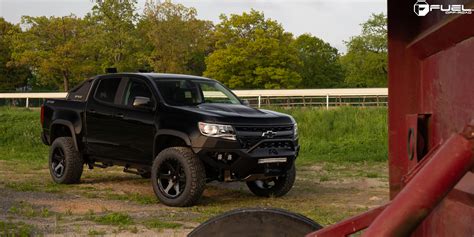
{"type": "Point", "coordinates": [153, 75]}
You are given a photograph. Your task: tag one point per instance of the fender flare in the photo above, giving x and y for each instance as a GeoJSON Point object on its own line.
{"type": "Point", "coordinates": [171, 132]}
{"type": "Point", "coordinates": [71, 129]}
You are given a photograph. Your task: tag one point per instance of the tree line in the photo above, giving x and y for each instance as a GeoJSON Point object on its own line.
{"type": "Point", "coordinates": [244, 51]}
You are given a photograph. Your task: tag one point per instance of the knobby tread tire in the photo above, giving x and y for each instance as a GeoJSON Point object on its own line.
{"type": "Point", "coordinates": [195, 176]}
{"type": "Point", "coordinates": [280, 189]}
{"type": "Point", "coordinates": [73, 160]}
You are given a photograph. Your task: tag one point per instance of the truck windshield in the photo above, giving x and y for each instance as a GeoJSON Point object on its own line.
{"type": "Point", "coordinates": [193, 92]}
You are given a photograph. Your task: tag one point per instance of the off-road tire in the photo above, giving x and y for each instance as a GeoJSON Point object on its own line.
{"type": "Point", "coordinates": [281, 187]}
{"type": "Point", "coordinates": [194, 171]}
{"type": "Point", "coordinates": [73, 162]}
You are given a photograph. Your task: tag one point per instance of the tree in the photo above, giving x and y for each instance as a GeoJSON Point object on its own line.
{"type": "Point", "coordinates": [178, 42]}
{"type": "Point", "coordinates": [253, 52]}
{"type": "Point", "coordinates": [52, 48]}
{"type": "Point", "coordinates": [321, 67]}
{"type": "Point", "coordinates": [11, 76]}
{"type": "Point", "coordinates": [115, 40]}
{"type": "Point", "coordinates": [366, 60]}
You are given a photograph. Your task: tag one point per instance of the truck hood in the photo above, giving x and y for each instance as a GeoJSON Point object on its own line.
{"type": "Point", "coordinates": [238, 114]}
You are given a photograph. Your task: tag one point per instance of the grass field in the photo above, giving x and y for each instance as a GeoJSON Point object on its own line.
{"type": "Point", "coordinates": [341, 171]}
{"type": "Point", "coordinates": [336, 135]}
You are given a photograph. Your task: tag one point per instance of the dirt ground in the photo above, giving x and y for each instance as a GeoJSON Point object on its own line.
{"type": "Point", "coordinates": [110, 202]}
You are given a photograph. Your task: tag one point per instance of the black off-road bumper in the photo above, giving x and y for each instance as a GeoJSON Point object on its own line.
{"type": "Point", "coordinates": [267, 158]}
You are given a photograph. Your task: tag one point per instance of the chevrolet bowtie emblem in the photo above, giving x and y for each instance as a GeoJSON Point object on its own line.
{"type": "Point", "coordinates": [269, 134]}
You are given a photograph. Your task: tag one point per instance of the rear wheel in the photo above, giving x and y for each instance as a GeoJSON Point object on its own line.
{"type": "Point", "coordinates": [277, 186]}
{"type": "Point", "coordinates": [178, 177]}
{"type": "Point", "coordinates": [65, 162]}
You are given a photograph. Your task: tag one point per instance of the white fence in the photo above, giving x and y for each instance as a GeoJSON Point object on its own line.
{"type": "Point", "coordinates": [289, 98]}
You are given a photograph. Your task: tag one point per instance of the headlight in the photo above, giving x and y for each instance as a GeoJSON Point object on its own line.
{"type": "Point", "coordinates": [217, 130]}
{"type": "Point", "coordinates": [295, 129]}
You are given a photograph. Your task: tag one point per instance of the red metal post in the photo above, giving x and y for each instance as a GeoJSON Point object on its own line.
{"type": "Point", "coordinates": [432, 183]}
{"type": "Point", "coordinates": [349, 226]}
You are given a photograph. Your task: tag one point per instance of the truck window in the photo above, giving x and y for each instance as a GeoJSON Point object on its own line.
{"type": "Point", "coordinates": [107, 89]}
{"type": "Point", "coordinates": [182, 92]}
{"type": "Point", "coordinates": [134, 89]}
{"type": "Point", "coordinates": [79, 93]}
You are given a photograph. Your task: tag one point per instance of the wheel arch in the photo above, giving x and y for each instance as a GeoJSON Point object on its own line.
{"type": "Point", "coordinates": [63, 128]}
{"type": "Point", "coordinates": [165, 138]}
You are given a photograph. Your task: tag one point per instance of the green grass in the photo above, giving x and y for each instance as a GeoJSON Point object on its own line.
{"type": "Point", "coordinates": [36, 186]}
{"type": "Point", "coordinates": [96, 232]}
{"type": "Point", "coordinates": [134, 197]}
{"type": "Point", "coordinates": [340, 134]}
{"type": "Point", "coordinates": [16, 229]}
{"type": "Point", "coordinates": [157, 224]}
{"type": "Point", "coordinates": [20, 135]}
{"type": "Point", "coordinates": [339, 144]}
{"type": "Point", "coordinates": [27, 210]}
{"type": "Point", "coordinates": [113, 218]}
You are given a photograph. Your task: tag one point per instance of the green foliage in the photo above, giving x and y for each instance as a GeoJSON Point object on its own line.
{"type": "Point", "coordinates": [93, 232]}
{"type": "Point", "coordinates": [21, 128]}
{"type": "Point", "coordinates": [8, 228]}
{"type": "Point", "coordinates": [253, 52]}
{"type": "Point", "coordinates": [11, 75]}
{"type": "Point", "coordinates": [321, 67]}
{"type": "Point", "coordinates": [52, 47]}
{"type": "Point", "coordinates": [342, 134]}
{"type": "Point", "coordinates": [27, 210]}
{"type": "Point", "coordinates": [114, 218]}
{"type": "Point", "coordinates": [115, 35]}
{"type": "Point", "coordinates": [157, 224]}
{"type": "Point", "coordinates": [366, 60]}
{"type": "Point", "coordinates": [139, 198]}
{"type": "Point", "coordinates": [177, 42]}
{"type": "Point", "coordinates": [245, 51]}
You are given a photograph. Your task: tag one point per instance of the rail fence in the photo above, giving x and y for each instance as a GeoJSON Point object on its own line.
{"type": "Point", "coordinates": [326, 98]}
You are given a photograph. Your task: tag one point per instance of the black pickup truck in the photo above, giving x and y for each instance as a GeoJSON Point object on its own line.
{"type": "Point", "coordinates": [181, 131]}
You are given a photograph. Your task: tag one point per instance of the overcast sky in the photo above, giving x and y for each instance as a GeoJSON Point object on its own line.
{"type": "Point", "coordinates": [331, 20]}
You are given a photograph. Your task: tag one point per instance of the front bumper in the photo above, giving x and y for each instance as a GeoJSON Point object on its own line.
{"type": "Point", "coordinates": [244, 163]}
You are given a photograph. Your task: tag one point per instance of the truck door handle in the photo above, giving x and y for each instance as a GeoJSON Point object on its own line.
{"type": "Point", "coordinates": [119, 115]}
{"type": "Point", "coordinates": [92, 111]}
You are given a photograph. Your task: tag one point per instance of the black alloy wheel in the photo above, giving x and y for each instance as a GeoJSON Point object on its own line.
{"type": "Point", "coordinates": [171, 178]}
{"type": "Point", "coordinates": [58, 162]}
{"type": "Point", "coordinates": [178, 177]}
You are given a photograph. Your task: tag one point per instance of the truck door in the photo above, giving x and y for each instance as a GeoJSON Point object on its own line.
{"type": "Point", "coordinates": [103, 131]}
{"type": "Point", "coordinates": [137, 121]}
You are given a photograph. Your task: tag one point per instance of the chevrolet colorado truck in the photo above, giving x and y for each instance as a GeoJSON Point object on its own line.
{"type": "Point", "coordinates": [180, 131]}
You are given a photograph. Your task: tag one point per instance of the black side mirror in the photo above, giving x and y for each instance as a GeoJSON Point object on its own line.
{"type": "Point", "coordinates": [246, 102]}
{"type": "Point", "coordinates": [142, 102]}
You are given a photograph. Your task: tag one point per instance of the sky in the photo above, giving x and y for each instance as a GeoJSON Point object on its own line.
{"type": "Point", "coordinates": [334, 21]}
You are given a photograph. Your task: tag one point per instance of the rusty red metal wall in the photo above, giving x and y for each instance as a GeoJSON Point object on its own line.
{"type": "Point", "coordinates": [431, 74]}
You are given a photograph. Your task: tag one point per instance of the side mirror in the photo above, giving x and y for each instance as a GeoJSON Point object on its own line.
{"type": "Point", "coordinates": [246, 102]}
{"type": "Point", "coordinates": [142, 102]}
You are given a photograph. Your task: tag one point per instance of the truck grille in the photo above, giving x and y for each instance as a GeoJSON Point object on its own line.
{"type": "Point", "coordinates": [264, 129]}
{"type": "Point", "coordinates": [249, 136]}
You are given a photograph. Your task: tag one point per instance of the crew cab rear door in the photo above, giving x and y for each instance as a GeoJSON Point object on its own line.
{"type": "Point", "coordinates": [103, 131]}
{"type": "Point", "coordinates": [137, 122]}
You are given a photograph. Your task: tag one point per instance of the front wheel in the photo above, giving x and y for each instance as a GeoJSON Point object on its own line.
{"type": "Point", "coordinates": [178, 177]}
{"type": "Point", "coordinates": [277, 186]}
